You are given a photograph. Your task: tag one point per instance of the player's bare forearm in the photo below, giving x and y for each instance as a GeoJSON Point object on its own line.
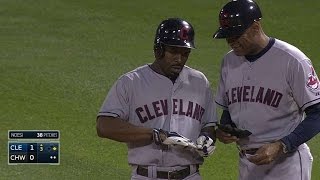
{"type": "Point", "coordinates": [122, 131]}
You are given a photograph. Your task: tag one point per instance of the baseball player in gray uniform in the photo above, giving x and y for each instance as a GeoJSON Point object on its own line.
{"type": "Point", "coordinates": [270, 88]}
{"type": "Point", "coordinates": [158, 108]}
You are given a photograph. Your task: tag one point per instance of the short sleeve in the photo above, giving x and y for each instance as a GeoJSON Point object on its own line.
{"type": "Point", "coordinates": [304, 83]}
{"type": "Point", "coordinates": [210, 115]}
{"type": "Point", "coordinates": [116, 103]}
{"type": "Point", "coordinates": [221, 98]}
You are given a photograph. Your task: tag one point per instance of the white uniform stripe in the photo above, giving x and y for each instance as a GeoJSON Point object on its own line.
{"type": "Point", "coordinates": [315, 101]}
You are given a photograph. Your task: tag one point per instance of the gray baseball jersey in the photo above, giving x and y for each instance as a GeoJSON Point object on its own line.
{"type": "Point", "coordinates": [268, 96]}
{"type": "Point", "coordinates": [148, 99]}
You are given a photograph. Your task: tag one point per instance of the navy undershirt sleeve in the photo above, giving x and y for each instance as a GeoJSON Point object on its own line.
{"type": "Point", "coordinates": [226, 118]}
{"type": "Point", "coordinates": [307, 129]}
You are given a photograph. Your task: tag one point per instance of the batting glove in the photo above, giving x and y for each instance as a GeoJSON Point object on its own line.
{"type": "Point", "coordinates": [158, 136]}
{"type": "Point", "coordinates": [171, 138]}
{"type": "Point", "coordinates": [205, 145]}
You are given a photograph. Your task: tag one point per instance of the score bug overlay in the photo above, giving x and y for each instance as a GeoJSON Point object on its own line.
{"type": "Point", "coordinates": [33, 134]}
{"type": "Point", "coordinates": [33, 147]}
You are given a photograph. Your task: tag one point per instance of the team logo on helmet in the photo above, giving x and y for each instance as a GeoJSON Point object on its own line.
{"type": "Point", "coordinates": [184, 33]}
{"type": "Point", "coordinates": [313, 81]}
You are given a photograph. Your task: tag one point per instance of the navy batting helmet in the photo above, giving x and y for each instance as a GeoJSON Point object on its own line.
{"type": "Point", "coordinates": [236, 16]}
{"type": "Point", "coordinates": [174, 32]}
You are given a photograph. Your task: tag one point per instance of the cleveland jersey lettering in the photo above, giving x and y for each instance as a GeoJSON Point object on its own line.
{"type": "Point", "coordinates": [254, 94]}
{"type": "Point", "coordinates": [160, 108]}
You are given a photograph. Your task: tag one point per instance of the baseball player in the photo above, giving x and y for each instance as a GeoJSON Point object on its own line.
{"type": "Point", "coordinates": [164, 111]}
{"type": "Point", "coordinates": [266, 86]}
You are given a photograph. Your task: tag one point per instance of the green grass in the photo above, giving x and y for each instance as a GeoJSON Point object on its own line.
{"type": "Point", "coordinates": [59, 59]}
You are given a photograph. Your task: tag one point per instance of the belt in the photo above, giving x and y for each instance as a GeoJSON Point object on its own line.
{"type": "Point", "coordinates": [178, 174]}
{"type": "Point", "coordinates": [249, 151]}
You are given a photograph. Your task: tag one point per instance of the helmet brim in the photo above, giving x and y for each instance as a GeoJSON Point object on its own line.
{"type": "Point", "coordinates": [220, 34]}
{"type": "Point", "coordinates": [189, 45]}
{"type": "Point", "coordinates": [229, 32]}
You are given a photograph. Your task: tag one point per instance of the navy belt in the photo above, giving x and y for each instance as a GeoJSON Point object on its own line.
{"type": "Point", "coordinates": [178, 174]}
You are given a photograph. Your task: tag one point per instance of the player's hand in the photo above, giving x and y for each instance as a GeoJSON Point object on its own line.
{"type": "Point", "coordinates": [267, 153]}
{"type": "Point", "coordinates": [225, 137]}
{"type": "Point", "coordinates": [234, 131]}
{"type": "Point", "coordinates": [205, 145]}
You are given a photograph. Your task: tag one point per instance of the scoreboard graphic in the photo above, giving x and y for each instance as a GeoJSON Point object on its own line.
{"type": "Point", "coordinates": [33, 147]}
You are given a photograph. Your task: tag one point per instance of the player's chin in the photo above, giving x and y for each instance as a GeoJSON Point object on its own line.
{"type": "Point", "coordinates": [174, 74]}
{"type": "Point", "coordinates": [176, 69]}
